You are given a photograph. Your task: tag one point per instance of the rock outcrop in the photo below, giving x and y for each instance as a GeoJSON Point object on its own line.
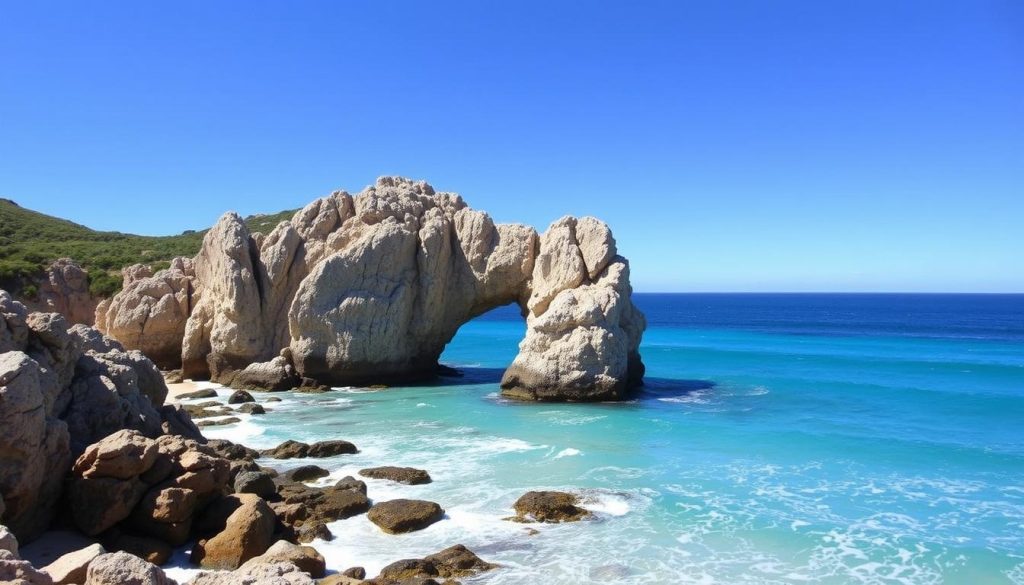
{"type": "Point", "coordinates": [367, 289]}
{"type": "Point", "coordinates": [65, 290]}
{"type": "Point", "coordinates": [150, 311]}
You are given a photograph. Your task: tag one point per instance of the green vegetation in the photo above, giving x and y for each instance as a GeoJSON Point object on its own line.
{"type": "Point", "coordinates": [29, 241]}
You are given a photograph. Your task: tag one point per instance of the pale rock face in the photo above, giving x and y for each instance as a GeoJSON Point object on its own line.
{"type": "Point", "coordinates": [150, 311]}
{"type": "Point", "coordinates": [34, 452]}
{"type": "Point", "coordinates": [121, 568]}
{"type": "Point", "coordinates": [584, 347]}
{"type": "Point", "coordinates": [66, 291]}
{"type": "Point", "coordinates": [226, 322]}
{"type": "Point", "coordinates": [369, 288]}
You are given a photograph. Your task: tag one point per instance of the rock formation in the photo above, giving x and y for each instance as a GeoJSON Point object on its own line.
{"type": "Point", "coordinates": [61, 389]}
{"type": "Point", "coordinates": [150, 312]}
{"type": "Point", "coordinates": [65, 290]}
{"type": "Point", "coordinates": [365, 289]}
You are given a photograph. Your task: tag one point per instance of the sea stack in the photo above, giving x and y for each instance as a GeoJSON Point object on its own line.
{"type": "Point", "coordinates": [370, 288]}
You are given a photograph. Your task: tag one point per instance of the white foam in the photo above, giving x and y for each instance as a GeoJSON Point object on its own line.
{"type": "Point", "coordinates": [570, 452]}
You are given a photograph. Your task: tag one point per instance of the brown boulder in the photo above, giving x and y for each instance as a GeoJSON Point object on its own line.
{"type": "Point", "coordinates": [400, 516]}
{"type": "Point", "coordinates": [549, 506]}
{"type": "Point", "coordinates": [122, 455]}
{"type": "Point", "coordinates": [71, 568]}
{"type": "Point", "coordinates": [248, 533]}
{"type": "Point", "coordinates": [406, 475]}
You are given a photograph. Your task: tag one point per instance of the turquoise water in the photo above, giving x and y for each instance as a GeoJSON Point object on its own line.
{"type": "Point", "coordinates": [780, 439]}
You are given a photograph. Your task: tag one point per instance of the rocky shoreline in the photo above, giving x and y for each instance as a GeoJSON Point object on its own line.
{"type": "Point", "coordinates": [109, 479]}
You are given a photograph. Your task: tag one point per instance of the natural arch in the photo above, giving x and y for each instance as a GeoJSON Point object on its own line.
{"type": "Point", "coordinates": [364, 289]}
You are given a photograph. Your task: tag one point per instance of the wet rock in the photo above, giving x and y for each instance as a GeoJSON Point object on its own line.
{"type": "Point", "coordinates": [350, 483]}
{"type": "Point", "coordinates": [406, 475]}
{"type": "Point", "coordinates": [458, 561]}
{"type": "Point", "coordinates": [400, 516]}
{"type": "Point", "coordinates": [307, 473]}
{"type": "Point", "coordinates": [325, 504]}
{"type": "Point", "coordinates": [240, 396]}
{"type": "Point", "coordinates": [310, 531]}
{"type": "Point", "coordinates": [287, 450]}
{"type": "Point", "coordinates": [218, 422]}
{"type": "Point", "coordinates": [232, 451]}
{"type": "Point", "coordinates": [252, 408]}
{"type": "Point", "coordinates": [355, 572]}
{"type": "Point", "coordinates": [549, 506]}
{"type": "Point", "coordinates": [197, 394]}
{"type": "Point", "coordinates": [331, 448]}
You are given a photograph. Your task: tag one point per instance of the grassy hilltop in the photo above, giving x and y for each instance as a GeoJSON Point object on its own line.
{"type": "Point", "coordinates": [30, 240]}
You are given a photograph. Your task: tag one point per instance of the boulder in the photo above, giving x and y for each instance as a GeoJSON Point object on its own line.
{"type": "Point", "coordinates": [8, 541]}
{"type": "Point", "coordinates": [248, 532]}
{"type": "Point", "coordinates": [18, 572]}
{"type": "Point", "coordinates": [149, 312]}
{"type": "Point", "coordinates": [71, 568]}
{"type": "Point", "coordinates": [306, 558]}
{"type": "Point", "coordinates": [350, 483]}
{"type": "Point", "coordinates": [287, 450]}
{"type": "Point", "coordinates": [399, 516]}
{"type": "Point", "coordinates": [218, 422]}
{"type": "Point", "coordinates": [277, 374]}
{"type": "Point", "coordinates": [355, 573]}
{"type": "Point", "coordinates": [255, 482]}
{"type": "Point", "coordinates": [310, 531]}
{"type": "Point", "coordinates": [331, 448]}
{"type": "Point", "coordinates": [306, 473]}
{"type": "Point", "coordinates": [196, 394]}
{"type": "Point", "coordinates": [152, 550]}
{"type": "Point", "coordinates": [453, 562]}
{"type": "Point", "coordinates": [406, 475]}
{"type": "Point", "coordinates": [252, 408]}
{"type": "Point", "coordinates": [121, 568]}
{"type": "Point", "coordinates": [324, 504]}
{"type": "Point", "coordinates": [65, 290]}
{"type": "Point", "coordinates": [257, 574]}
{"type": "Point", "coordinates": [549, 506]}
{"type": "Point", "coordinates": [240, 396]}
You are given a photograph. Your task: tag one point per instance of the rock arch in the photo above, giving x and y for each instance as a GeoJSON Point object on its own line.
{"type": "Point", "coordinates": [371, 288]}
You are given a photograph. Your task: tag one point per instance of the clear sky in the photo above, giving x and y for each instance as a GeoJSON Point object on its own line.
{"type": "Point", "coordinates": [732, 146]}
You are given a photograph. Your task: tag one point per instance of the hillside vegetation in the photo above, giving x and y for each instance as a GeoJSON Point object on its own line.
{"type": "Point", "coordinates": [30, 240]}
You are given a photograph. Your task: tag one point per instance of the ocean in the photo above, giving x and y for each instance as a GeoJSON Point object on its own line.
{"type": "Point", "coordinates": [780, 438]}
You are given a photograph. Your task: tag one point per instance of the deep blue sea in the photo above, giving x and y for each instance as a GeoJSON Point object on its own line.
{"type": "Point", "coordinates": [804, 438]}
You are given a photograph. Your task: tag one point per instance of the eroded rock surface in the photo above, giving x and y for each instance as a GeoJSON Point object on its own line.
{"type": "Point", "coordinates": [366, 289]}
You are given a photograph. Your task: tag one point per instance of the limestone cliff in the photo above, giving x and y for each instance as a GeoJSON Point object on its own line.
{"type": "Point", "coordinates": [371, 288]}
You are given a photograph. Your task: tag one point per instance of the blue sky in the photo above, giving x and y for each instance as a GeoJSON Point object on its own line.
{"type": "Point", "coordinates": [732, 146]}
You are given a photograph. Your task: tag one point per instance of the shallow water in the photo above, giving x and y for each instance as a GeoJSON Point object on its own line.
{"type": "Point", "coordinates": [779, 439]}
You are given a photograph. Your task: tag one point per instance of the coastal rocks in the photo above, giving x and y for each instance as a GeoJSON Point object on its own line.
{"type": "Point", "coordinates": [548, 506]}
{"type": "Point", "coordinates": [259, 483]}
{"type": "Point", "coordinates": [71, 568]}
{"type": "Point", "coordinates": [294, 449]}
{"type": "Point", "coordinates": [18, 572]}
{"type": "Point", "coordinates": [307, 473]}
{"type": "Point", "coordinates": [319, 504]}
{"type": "Point", "coordinates": [65, 290]}
{"type": "Point", "coordinates": [247, 533]}
{"type": "Point", "coordinates": [196, 394]}
{"type": "Point", "coordinates": [239, 397]}
{"type": "Point", "coordinates": [152, 488]}
{"type": "Point", "coordinates": [400, 516]}
{"type": "Point", "coordinates": [257, 574]}
{"type": "Point", "coordinates": [584, 346]}
{"type": "Point", "coordinates": [252, 408]}
{"type": "Point", "coordinates": [277, 374]}
{"type": "Point", "coordinates": [306, 558]}
{"type": "Point", "coordinates": [150, 312]}
{"type": "Point", "coordinates": [406, 475]}
{"type": "Point", "coordinates": [369, 289]}
{"type": "Point", "coordinates": [121, 568]}
{"type": "Point", "coordinates": [453, 562]}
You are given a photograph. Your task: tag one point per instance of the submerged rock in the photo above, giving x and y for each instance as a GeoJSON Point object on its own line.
{"type": "Point", "coordinates": [549, 506]}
